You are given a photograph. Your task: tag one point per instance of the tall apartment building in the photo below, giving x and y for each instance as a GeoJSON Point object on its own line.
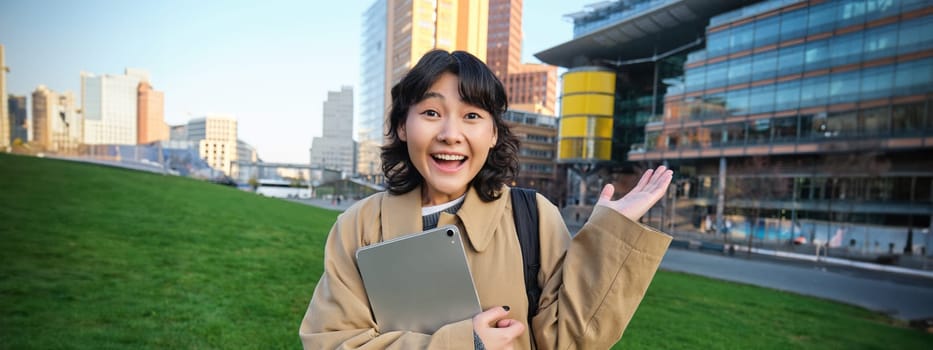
{"type": "Point", "coordinates": [150, 115]}
{"type": "Point", "coordinates": [19, 124]}
{"type": "Point", "coordinates": [216, 137]}
{"type": "Point", "coordinates": [395, 34]}
{"type": "Point", "coordinates": [791, 119]}
{"type": "Point", "coordinates": [56, 121]}
{"type": "Point", "coordinates": [530, 87]}
{"type": "Point", "coordinates": [5, 126]}
{"type": "Point", "coordinates": [335, 148]}
{"type": "Point", "coordinates": [110, 107]}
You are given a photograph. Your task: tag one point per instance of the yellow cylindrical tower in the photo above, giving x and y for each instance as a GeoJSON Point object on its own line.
{"type": "Point", "coordinates": [587, 100]}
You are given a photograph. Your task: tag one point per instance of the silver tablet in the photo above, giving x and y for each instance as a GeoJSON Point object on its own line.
{"type": "Point", "coordinates": [418, 282]}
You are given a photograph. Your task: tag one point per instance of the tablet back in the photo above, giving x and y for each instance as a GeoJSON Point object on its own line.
{"type": "Point", "coordinates": [419, 282]}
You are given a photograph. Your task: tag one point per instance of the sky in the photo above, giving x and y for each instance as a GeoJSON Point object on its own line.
{"type": "Point", "coordinates": [269, 64]}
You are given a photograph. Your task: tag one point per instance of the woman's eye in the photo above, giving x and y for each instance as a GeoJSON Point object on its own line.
{"type": "Point", "coordinates": [430, 113]}
{"type": "Point", "coordinates": [473, 116]}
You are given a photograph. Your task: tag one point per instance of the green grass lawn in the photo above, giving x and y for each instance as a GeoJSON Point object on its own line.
{"type": "Point", "coordinates": [95, 257]}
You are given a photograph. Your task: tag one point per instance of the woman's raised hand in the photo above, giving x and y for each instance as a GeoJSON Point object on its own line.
{"type": "Point", "coordinates": [650, 188]}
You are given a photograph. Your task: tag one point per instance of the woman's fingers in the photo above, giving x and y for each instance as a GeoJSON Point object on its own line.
{"type": "Point", "coordinates": [606, 194]}
{"type": "Point", "coordinates": [645, 179]}
{"type": "Point", "coordinates": [491, 315]}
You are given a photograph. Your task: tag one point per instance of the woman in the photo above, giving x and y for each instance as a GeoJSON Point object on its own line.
{"type": "Point", "coordinates": [447, 161]}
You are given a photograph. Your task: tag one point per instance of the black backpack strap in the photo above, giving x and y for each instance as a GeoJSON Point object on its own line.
{"type": "Point", "coordinates": [525, 214]}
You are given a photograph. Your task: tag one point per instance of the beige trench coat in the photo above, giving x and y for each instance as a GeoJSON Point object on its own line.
{"type": "Point", "coordinates": [592, 283]}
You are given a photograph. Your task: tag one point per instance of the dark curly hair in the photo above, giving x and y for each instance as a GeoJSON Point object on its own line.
{"type": "Point", "coordinates": [478, 87]}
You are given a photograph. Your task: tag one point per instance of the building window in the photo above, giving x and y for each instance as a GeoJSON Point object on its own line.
{"type": "Point", "coordinates": [766, 31]}
{"type": "Point", "coordinates": [874, 121]}
{"type": "Point", "coordinates": [765, 65]}
{"type": "Point", "coordinates": [740, 70]}
{"type": "Point", "coordinates": [793, 25]}
{"type": "Point", "coordinates": [907, 119]}
{"type": "Point", "coordinates": [785, 129]}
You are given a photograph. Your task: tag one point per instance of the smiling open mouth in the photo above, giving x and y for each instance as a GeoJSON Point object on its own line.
{"type": "Point", "coordinates": [449, 160]}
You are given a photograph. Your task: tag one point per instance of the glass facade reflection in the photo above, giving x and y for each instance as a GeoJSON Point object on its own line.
{"type": "Point", "coordinates": [821, 114]}
{"type": "Point", "coordinates": [762, 71]}
{"type": "Point", "coordinates": [788, 119]}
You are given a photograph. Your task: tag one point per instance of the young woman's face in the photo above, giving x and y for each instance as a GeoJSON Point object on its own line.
{"type": "Point", "coordinates": [448, 140]}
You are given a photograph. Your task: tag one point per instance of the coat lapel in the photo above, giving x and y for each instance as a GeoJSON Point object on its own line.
{"type": "Point", "coordinates": [401, 214]}
{"type": "Point", "coordinates": [480, 219]}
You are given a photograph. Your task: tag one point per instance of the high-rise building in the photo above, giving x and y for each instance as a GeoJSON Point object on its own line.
{"type": "Point", "coordinates": [504, 47]}
{"type": "Point", "coordinates": [216, 137]}
{"type": "Point", "coordinates": [404, 30]}
{"type": "Point", "coordinates": [19, 127]}
{"type": "Point", "coordinates": [371, 99]}
{"type": "Point", "coordinates": [5, 125]}
{"type": "Point", "coordinates": [55, 120]}
{"type": "Point", "coordinates": [530, 87]}
{"type": "Point", "coordinates": [335, 148]}
{"type": "Point", "coordinates": [110, 107]}
{"type": "Point", "coordinates": [791, 119]}
{"type": "Point", "coordinates": [150, 114]}
{"type": "Point", "coordinates": [42, 112]}
{"type": "Point", "coordinates": [416, 27]}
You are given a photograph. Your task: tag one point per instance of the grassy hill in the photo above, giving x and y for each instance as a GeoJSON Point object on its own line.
{"type": "Point", "coordinates": [96, 257]}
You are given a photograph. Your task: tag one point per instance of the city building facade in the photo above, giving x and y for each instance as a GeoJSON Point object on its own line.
{"type": "Point", "coordinates": [19, 122]}
{"type": "Point", "coordinates": [151, 125]}
{"type": "Point", "coordinates": [371, 99]}
{"type": "Point", "coordinates": [245, 152]}
{"type": "Point", "coordinates": [533, 88]}
{"type": "Point", "coordinates": [335, 148]}
{"type": "Point", "coordinates": [178, 132]}
{"type": "Point", "coordinates": [56, 121]}
{"type": "Point", "coordinates": [110, 106]}
{"type": "Point", "coordinates": [792, 120]}
{"type": "Point", "coordinates": [537, 168]}
{"type": "Point", "coordinates": [216, 137]}
{"type": "Point", "coordinates": [504, 48]}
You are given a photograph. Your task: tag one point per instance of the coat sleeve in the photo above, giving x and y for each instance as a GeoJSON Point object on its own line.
{"type": "Point", "coordinates": [593, 284]}
{"type": "Point", "coordinates": [339, 315]}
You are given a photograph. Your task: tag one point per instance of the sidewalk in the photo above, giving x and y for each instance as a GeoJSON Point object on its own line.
{"type": "Point", "coordinates": [326, 203]}
{"type": "Point", "coordinates": [903, 298]}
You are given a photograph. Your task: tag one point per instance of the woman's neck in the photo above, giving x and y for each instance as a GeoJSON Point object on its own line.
{"type": "Point", "coordinates": [432, 199]}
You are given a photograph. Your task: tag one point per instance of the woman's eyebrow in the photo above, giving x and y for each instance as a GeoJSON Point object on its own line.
{"type": "Point", "coordinates": [431, 94]}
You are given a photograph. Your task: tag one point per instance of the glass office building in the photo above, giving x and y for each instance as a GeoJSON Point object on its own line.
{"type": "Point", "coordinates": [804, 119]}
{"type": "Point", "coordinates": [371, 93]}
